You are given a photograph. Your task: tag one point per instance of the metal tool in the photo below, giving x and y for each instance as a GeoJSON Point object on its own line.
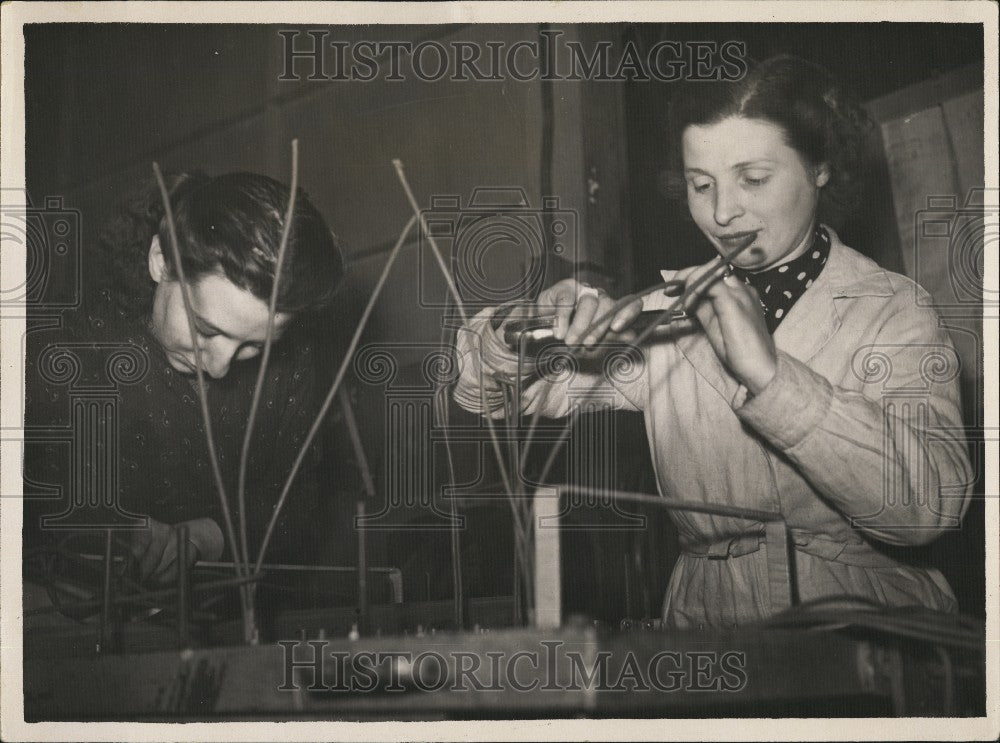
{"type": "Point", "coordinates": [543, 327]}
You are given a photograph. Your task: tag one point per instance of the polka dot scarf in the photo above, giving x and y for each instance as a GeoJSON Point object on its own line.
{"type": "Point", "coordinates": [779, 288]}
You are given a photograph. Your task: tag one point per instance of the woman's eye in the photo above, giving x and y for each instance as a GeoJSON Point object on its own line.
{"type": "Point", "coordinates": [701, 187]}
{"type": "Point", "coordinates": [755, 180]}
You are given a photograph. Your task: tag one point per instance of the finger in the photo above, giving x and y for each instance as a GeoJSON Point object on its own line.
{"type": "Point", "coordinates": [707, 317]}
{"type": "Point", "coordinates": [583, 315]}
{"type": "Point", "coordinates": [674, 288]}
{"type": "Point", "coordinates": [709, 278]}
{"type": "Point", "coordinates": [732, 292]}
{"type": "Point", "coordinates": [687, 275]}
{"type": "Point", "coordinates": [711, 326]}
{"type": "Point", "coordinates": [749, 296]}
{"type": "Point", "coordinates": [736, 318]}
{"type": "Point", "coordinates": [680, 279]}
{"type": "Point", "coordinates": [604, 315]}
{"type": "Point", "coordinates": [735, 304]}
{"type": "Point", "coordinates": [625, 316]}
{"type": "Point", "coordinates": [712, 295]}
{"type": "Point", "coordinates": [757, 305]}
{"type": "Point", "coordinates": [699, 280]}
{"type": "Point", "coordinates": [562, 300]}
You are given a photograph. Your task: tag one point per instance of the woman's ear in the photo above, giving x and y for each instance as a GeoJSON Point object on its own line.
{"type": "Point", "coordinates": [157, 263]}
{"type": "Point", "coordinates": [822, 175]}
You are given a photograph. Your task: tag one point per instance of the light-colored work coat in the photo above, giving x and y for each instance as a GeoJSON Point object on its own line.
{"type": "Point", "coordinates": [857, 440]}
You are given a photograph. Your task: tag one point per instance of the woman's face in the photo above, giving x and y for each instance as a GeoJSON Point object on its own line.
{"type": "Point", "coordinates": [231, 323]}
{"type": "Point", "coordinates": [743, 179]}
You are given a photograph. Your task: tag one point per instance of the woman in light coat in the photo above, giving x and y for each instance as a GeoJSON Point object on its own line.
{"type": "Point", "coordinates": [809, 381]}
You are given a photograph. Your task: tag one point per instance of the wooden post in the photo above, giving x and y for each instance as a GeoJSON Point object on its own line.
{"type": "Point", "coordinates": [548, 585]}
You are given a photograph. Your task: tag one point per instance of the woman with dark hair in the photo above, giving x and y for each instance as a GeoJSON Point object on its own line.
{"type": "Point", "coordinates": [776, 393]}
{"type": "Point", "coordinates": [229, 231]}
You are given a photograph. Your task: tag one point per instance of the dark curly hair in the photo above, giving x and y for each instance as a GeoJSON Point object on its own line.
{"type": "Point", "coordinates": [819, 120]}
{"type": "Point", "coordinates": [231, 223]}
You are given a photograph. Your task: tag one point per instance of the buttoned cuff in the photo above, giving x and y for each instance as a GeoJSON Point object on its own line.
{"type": "Point", "coordinates": [500, 360]}
{"type": "Point", "coordinates": [789, 407]}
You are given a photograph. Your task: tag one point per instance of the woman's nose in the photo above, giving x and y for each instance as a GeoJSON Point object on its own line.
{"type": "Point", "coordinates": [728, 204]}
{"type": "Point", "coordinates": [218, 356]}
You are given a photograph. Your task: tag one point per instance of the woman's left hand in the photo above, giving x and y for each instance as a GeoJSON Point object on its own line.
{"type": "Point", "coordinates": [730, 313]}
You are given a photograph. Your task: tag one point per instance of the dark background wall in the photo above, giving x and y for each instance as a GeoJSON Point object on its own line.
{"type": "Point", "coordinates": [103, 102]}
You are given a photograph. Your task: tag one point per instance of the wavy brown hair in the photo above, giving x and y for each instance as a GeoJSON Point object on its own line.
{"type": "Point", "coordinates": [230, 223]}
{"type": "Point", "coordinates": [818, 117]}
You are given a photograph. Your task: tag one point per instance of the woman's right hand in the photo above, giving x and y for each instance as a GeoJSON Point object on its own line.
{"type": "Point", "coordinates": [577, 306]}
{"type": "Point", "coordinates": [155, 548]}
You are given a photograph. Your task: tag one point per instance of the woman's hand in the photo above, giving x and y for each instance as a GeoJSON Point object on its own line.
{"type": "Point", "coordinates": [155, 547]}
{"type": "Point", "coordinates": [577, 306]}
{"type": "Point", "coordinates": [730, 313]}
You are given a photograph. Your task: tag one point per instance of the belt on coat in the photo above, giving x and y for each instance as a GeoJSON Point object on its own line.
{"type": "Point", "coordinates": [856, 553]}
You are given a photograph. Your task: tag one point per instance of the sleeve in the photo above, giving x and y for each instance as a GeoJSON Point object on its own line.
{"type": "Point", "coordinates": [891, 457]}
{"type": "Point", "coordinates": [486, 366]}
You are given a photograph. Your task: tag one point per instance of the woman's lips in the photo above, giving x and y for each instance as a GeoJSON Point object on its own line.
{"type": "Point", "coordinates": [735, 238]}
{"type": "Point", "coordinates": [737, 243]}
